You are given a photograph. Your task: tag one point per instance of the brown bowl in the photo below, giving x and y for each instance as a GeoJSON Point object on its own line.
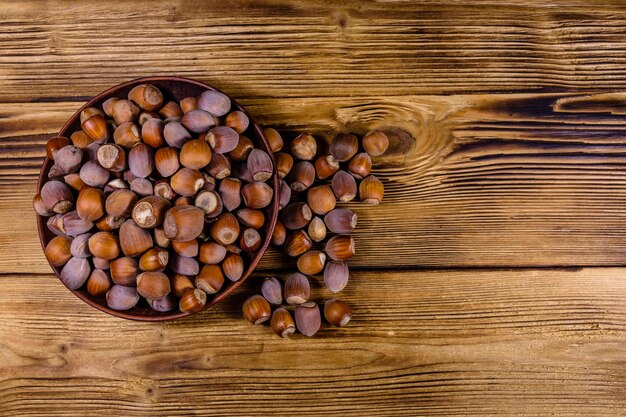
{"type": "Point", "coordinates": [173, 88]}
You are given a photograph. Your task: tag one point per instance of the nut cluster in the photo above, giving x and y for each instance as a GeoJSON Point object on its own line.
{"type": "Point", "coordinates": [156, 199]}
{"type": "Point", "coordinates": [314, 230]}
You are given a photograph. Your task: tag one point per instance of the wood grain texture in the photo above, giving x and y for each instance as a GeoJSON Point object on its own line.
{"type": "Point", "coordinates": [300, 48]}
{"type": "Point", "coordinates": [508, 150]}
{"type": "Point", "coordinates": [479, 180]}
{"type": "Point", "coordinates": [532, 342]}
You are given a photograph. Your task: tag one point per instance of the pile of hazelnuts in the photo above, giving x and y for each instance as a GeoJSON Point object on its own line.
{"type": "Point", "coordinates": [157, 200]}
{"type": "Point", "coordinates": [312, 228]}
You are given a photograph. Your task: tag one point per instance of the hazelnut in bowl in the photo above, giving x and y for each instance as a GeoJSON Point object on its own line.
{"type": "Point", "coordinates": [157, 198]}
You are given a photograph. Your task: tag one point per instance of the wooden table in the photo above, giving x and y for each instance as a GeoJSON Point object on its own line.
{"type": "Point", "coordinates": [490, 282]}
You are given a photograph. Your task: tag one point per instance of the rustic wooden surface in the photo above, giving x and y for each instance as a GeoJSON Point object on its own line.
{"type": "Point", "coordinates": [492, 280]}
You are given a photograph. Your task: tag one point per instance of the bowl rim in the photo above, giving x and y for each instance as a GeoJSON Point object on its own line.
{"type": "Point", "coordinates": [110, 92]}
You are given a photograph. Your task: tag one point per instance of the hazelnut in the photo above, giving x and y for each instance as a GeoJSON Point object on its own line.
{"type": "Point", "coordinates": [210, 279]}
{"type": "Point", "coordinates": [304, 147]}
{"type": "Point", "coordinates": [141, 160]}
{"type": "Point", "coordinates": [107, 105]}
{"type": "Point", "coordinates": [209, 202]}
{"type": "Point", "coordinates": [93, 174]}
{"type": "Point", "coordinates": [100, 263]}
{"type": "Point", "coordinates": [188, 104]}
{"type": "Point", "coordinates": [297, 243]}
{"type": "Point", "coordinates": [175, 134]}
{"type": "Point", "coordinates": [68, 159]}
{"type": "Point", "coordinates": [308, 318]}
{"type": "Point", "coordinates": [198, 121]}
{"type": "Point", "coordinates": [219, 167]}
{"type": "Point", "coordinates": [251, 218]}
{"type": "Point", "coordinates": [54, 144]}
{"type": "Point", "coordinates": [272, 290]}
{"type": "Point", "coordinates": [112, 157]}
{"type": "Point", "coordinates": [311, 262]}
{"type": "Point", "coordinates": [162, 188]}
{"type": "Point", "coordinates": [317, 229]}
{"type": "Point", "coordinates": [95, 126]}
{"type": "Point", "coordinates": [75, 273]}
{"type": "Point", "coordinates": [74, 181]}
{"type": "Point", "coordinates": [360, 166]}
{"type": "Point", "coordinates": [166, 161]}
{"type": "Point", "coordinates": [321, 199]}
{"type": "Point", "coordinates": [336, 275]}
{"type": "Point", "coordinates": [250, 240]}
{"type": "Point", "coordinates": [189, 248]}
{"type": "Point", "coordinates": [211, 253]}
{"type": "Point", "coordinates": [57, 197]}
{"type": "Point", "coordinates": [195, 154]}
{"type": "Point", "coordinates": [127, 135]}
{"type": "Point", "coordinates": [187, 181]}
{"type": "Point", "coordinates": [302, 176]}
{"type": "Point", "coordinates": [371, 190]}
{"type": "Point", "coordinates": [99, 283]}
{"type": "Point", "coordinates": [58, 251]}
{"type": "Point", "coordinates": [153, 284]}
{"type": "Point", "coordinates": [108, 223]}
{"type": "Point", "coordinates": [164, 304]}
{"type": "Point", "coordinates": [90, 203]}
{"type": "Point", "coordinates": [120, 297]}
{"type": "Point", "coordinates": [142, 187]}
{"type": "Point", "coordinates": [297, 289]}
{"type": "Point", "coordinates": [180, 284]}
{"type": "Point", "coordinates": [214, 102]}
{"type": "Point", "coordinates": [192, 301]}
{"type": "Point", "coordinates": [282, 323]}
{"type": "Point", "coordinates": [81, 140]}
{"type": "Point", "coordinates": [40, 207]}
{"type": "Point", "coordinates": [337, 312]}
{"type": "Point", "coordinates": [260, 165]}
{"type": "Point", "coordinates": [257, 195]}
{"type": "Point", "coordinates": [279, 235]}
{"type": "Point", "coordinates": [274, 139]}
{"type": "Point", "coordinates": [155, 259]}
{"type": "Point", "coordinates": [242, 150]}
{"type": "Point", "coordinates": [133, 239]}
{"type": "Point", "coordinates": [120, 203]}
{"type": "Point", "coordinates": [284, 163]}
{"type": "Point", "coordinates": [284, 194]}
{"type": "Point", "coordinates": [146, 96]}
{"type": "Point", "coordinates": [80, 246]}
{"type": "Point", "coordinates": [160, 239]}
{"type": "Point", "coordinates": [256, 309]}
{"type": "Point", "coordinates": [225, 229]}
{"type": "Point", "coordinates": [375, 143]}
{"type": "Point", "coordinates": [71, 224]}
{"type": "Point", "coordinates": [152, 133]}
{"type": "Point", "coordinates": [344, 146]}
{"type": "Point", "coordinates": [238, 121]}
{"type": "Point", "coordinates": [144, 116]}
{"type": "Point", "coordinates": [340, 247]}
{"type": "Point", "coordinates": [124, 111]}
{"type": "Point", "coordinates": [150, 211]}
{"type": "Point", "coordinates": [183, 223]}
{"type": "Point", "coordinates": [104, 245]}
{"type": "Point", "coordinates": [344, 186]}
{"type": "Point", "coordinates": [171, 110]}
{"type": "Point", "coordinates": [341, 221]}
{"type": "Point", "coordinates": [222, 139]}
{"type": "Point", "coordinates": [230, 192]}
{"type": "Point", "coordinates": [296, 215]}
{"type": "Point", "coordinates": [183, 265]}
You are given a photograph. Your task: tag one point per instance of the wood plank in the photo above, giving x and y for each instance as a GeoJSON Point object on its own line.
{"type": "Point", "coordinates": [491, 180]}
{"type": "Point", "coordinates": [300, 48]}
{"type": "Point", "coordinates": [534, 342]}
